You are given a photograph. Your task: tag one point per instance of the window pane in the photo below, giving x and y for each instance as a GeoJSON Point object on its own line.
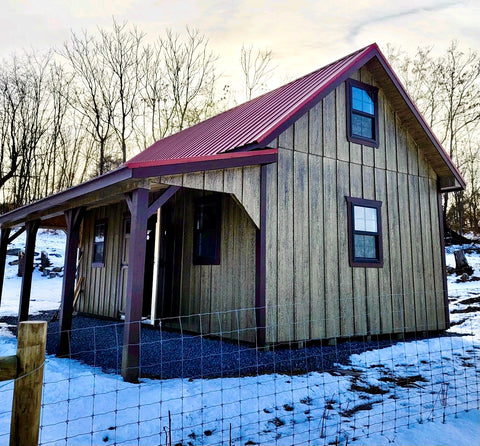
{"type": "Point", "coordinates": [98, 253]}
{"type": "Point", "coordinates": [99, 232]}
{"type": "Point", "coordinates": [370, 220]}
{"type": "Point", "coordinates": [206, 232]}
{"type": "Point", "coordinates": [362, 101]}
{"type": "Point", "coordinates": [365, 219]}
{"type": "Point", "coordinates": [362, 126]}
{"type": "Point", "coordinates": [207, 246]}
{"type": "Point", "coordinates": [359, 213]}
{"type": "Point", "coordinates": [365, 246]}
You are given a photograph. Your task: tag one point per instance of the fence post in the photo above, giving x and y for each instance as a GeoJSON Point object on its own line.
{"type": "Point", "coordinates": [27, 394]}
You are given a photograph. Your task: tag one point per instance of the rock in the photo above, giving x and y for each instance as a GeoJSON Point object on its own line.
{"type": "Point", "coordinates": [44, 260]}
{"type": "Point", "coordinates": [57, 269]}
{"type": "Point", "coordinates": [13, 251]}
{"type": "Point", "coordinates": [450, 270]}
{"type": "Point", "coordinates": [463, 278]}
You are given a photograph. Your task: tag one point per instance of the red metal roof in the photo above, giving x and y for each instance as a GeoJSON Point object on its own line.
{"type": "Point", "coordinates": [254, 123]}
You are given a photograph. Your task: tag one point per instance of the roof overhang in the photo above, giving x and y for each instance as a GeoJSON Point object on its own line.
{"type": "Point", "coordinates": [112, 186]}
{"type": "Point", "coordinates": [450, 179]}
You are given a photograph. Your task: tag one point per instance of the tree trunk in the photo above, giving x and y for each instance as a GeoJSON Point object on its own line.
{"type": "Point", "coordinates": [461, 264]}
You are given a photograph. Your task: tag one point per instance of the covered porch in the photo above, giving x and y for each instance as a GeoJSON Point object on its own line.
{"type": "Point", "coordinates": [147, 195]}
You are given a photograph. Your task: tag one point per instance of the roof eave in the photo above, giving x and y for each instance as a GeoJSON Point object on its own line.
{"type": "Point", "coordinates": [52, 201]}
{"type": "Point", "coordinates": [421, 121]}
{"type": "Point", "coordinates": [67, 199]}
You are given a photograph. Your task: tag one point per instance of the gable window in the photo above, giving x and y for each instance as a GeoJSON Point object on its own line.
{"type": "Point", "coordinates": [365, 232]}
{"type": "Point", "coordinates": [98, 248]}
{"type": "Point", "coordinates": [206, 230]}
{"type": "Point", "coordinates": [362, 113]}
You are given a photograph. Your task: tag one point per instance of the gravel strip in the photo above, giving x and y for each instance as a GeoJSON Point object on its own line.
{"type": "Point", "coordinates": [169, 354]}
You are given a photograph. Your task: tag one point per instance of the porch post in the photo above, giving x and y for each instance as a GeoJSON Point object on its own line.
{"type": "Point", "coordinates": [261, 262]}
{"type": "Point", "coordinates": [73, 218]}
{"type": "Point", "coordinates": [3, 257]}
{"type": "Point", "coordinates": [138, 204]}
{"type": "Point", "coordinates": [31, 228]}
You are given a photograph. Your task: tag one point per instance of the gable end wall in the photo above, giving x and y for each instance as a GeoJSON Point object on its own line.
{"type": "Point", "coordinates": [307, 230]}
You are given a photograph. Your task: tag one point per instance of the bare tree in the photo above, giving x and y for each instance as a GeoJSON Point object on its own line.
{"type": "Point", "coordinates": [93, 90]}
{"type": "Point", "coordinates": [256, 67]}
{"type": "Point", "coordinates": [447, 92]}
{"type": "Point", "coordinates": [121, 52]}
{"type": "Point", "coordinates": [24, 121]}
{"type": "Point", "coordinates": [109, 91]}
{"type": "Point", "coordinates": [156, 118]}
{"type": "Point", "coordinates": [190, 71]}
{"type": "Point", "coordinates": [178, 85]}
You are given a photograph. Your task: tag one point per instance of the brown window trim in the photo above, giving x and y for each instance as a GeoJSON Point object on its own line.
{"type": "Point", "coordinates": [371, 142]}
{"type": "Point", "coordinates": [351, 202]}
{"type": "Point", "coordinates": [215, 201]}
{"type": "Point", "coordinates": [99, 221]}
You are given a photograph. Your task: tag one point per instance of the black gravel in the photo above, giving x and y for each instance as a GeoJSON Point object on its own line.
{"type": "Point", "coordinates": [170, 354]}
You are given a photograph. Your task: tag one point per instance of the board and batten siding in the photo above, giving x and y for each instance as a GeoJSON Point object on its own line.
{"type": "Point", "coordinates": [311, 290]}
{"type": "Point", "coordinates": [100, 285]}
{"type": "Point", "coordinates": [224, 294]}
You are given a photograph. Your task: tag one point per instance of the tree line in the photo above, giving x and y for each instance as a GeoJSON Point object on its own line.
{"type": "Point", "coordinates": [446, 89]}
{"type": "Point", "coordinates": [84, 109]}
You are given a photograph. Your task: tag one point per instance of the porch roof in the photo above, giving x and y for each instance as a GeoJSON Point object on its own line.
{"type": "Point", "coordinates": [112, 186]}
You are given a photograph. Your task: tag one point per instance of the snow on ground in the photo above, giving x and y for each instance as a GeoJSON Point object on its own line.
{"type": "Point", "coordinates": [46, 292]}
{"type": "Point", "coordinates": [422, 392]}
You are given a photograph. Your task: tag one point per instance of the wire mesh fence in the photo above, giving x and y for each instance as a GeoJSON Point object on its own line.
{"type": "Point", "coordinates": [205, 381]}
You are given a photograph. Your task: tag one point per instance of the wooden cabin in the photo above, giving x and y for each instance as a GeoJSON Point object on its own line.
{"type": "Point", "coordinates": [314, 210]}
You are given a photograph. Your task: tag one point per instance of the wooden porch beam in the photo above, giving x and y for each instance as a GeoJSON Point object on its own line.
{"type": "Point", "coordinates": [261, 262]}
{"type": "Point", "coordinates": [4, 240]}
{"type": "Point", "coordinates": [138, 205]}
{"type": "Point", "coordinates": [31, 228]}
{"type": "Point", "coordinates": [17, 233]}
{"type": "Point", "coordinates": [74, 219]}
{"type": "Point", "coordinates": [162, 199]}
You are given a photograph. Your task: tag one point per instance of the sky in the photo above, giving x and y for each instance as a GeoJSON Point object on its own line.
{"type": "Point", "coordinates": [303, 34]}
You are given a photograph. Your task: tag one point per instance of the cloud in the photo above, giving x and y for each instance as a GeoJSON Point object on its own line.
{"type": "Point", "coordinates": [383, 18]}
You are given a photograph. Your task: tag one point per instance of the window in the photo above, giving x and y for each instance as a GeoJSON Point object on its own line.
{"type": "Point", "coordinates": [362, 113]}
{"type": "Point", "coordinates": [365, 232]}
{"type": "Point", "coordinates": [206, 230]}
{"type": "Point", "coordinates": [99, 236]}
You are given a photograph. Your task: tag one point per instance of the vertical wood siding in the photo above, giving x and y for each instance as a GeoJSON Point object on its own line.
{"type": "Point", "coordinates": [200, 289]}
{"type": "Point", "coordinates": [307, 230]}
{"type": "Point", "coordinates": [100, 285]}
{"type": "Point", "coordinates": [217, 291]}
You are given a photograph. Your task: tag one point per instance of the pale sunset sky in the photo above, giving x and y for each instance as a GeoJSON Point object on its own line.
{"type": "Point", "coordinates": [303, 35]}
